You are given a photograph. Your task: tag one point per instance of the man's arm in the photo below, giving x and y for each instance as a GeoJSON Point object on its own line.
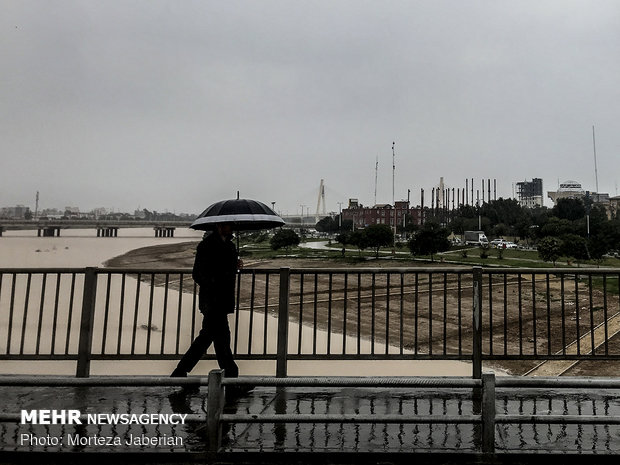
{"type": "Point", "coordinates": [200, 270]}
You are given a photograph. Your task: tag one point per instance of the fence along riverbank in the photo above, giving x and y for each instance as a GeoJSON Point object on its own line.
{"type": "Point", "coordinates": [509, 316]}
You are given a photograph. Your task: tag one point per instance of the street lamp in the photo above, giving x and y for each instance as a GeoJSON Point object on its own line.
{"type": "Point", "coordinates": [340, 216]}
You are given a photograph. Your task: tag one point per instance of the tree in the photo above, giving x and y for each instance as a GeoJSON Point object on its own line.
{"type": "Point", "coordinates": [327, 225]}
{"type": "Point", "coordinates": [500, 230]}
{"type": "Point", "coordinates": [284, 238]}
{"type": "Point", "coordinates": [379, 235]}
{"type": "Point", "coordinates": [569, 209]}
{"type": "Point", "coordinates": [558, 227]}
{"type": "Point", "coordinates": [430, 240]}
{"type": "Point", "coordinates": [343, 239]}
{"type": "Point", "coordinates": [347, 225]}
{"type": "Point", "coordinates": [575, 246]}
{"type": "Point", "coordinates": [550, 249]}
{"type": "Point", "coordinates": [359, 239]}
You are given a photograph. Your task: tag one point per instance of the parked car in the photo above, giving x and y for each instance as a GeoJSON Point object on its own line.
{"type": "Point", "coordinates": [510, 245]}
{"type": "Point", "coordinates": [496, 242]}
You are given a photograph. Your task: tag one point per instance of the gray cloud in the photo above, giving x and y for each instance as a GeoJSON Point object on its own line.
{"type": "Point", "coordinates": [174, 105]}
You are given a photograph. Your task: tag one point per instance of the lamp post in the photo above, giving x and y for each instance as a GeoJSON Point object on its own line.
{"type": "Point", "coordinates": [340, 216]}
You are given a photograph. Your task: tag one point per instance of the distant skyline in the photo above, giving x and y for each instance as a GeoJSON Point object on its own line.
{"type": "Point", "coordinates": [311, 210]}
{"type": "Point", "coordinates": [171, 106]}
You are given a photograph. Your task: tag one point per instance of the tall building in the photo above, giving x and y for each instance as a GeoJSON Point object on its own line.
{"type": "Point", "coordinates": [530, 193]}
{"type": "Point", "coordinates": [567, 190]}
{"type": "Point", "coordinates": [573, 190]}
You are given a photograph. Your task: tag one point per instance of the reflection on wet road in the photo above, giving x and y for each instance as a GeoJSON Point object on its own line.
{"type": "Point", "coordinates": [317, 437]}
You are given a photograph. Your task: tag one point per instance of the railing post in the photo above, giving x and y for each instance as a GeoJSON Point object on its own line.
{"type": "Point", "coordinates": [215, 405]}
{"type": "Point", "coordinates": [477, 323]}
{"type": "Point", "coordinates": [86, 322]}
{"type": "Point", "coordinates": [285, 286]}
{"type": "Point", "coordinates": [488, 412]}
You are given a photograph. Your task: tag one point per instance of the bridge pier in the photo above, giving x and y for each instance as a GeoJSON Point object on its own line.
{"type": "Point", "coordinates": [1, 230]}
{"type": "Point", "coordinates": [50, 231]}
{"type": "Point", "coordinates": [107, 232]}
{"type": "Point", "coordinates": [164, 231]}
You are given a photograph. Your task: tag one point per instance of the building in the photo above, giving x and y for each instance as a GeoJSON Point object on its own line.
{"type": "Point", "coordinates": [613, 211]}
{"type": "Point", "coordinates": [567, 190]}
{"type": "Point", "coordinates": [530, 193]}
{"type": "Point", "coordinates": [362, 216]}
{"type": "Point", "coordinates": [17, 212]}
{"type": "Point", "coordinates": [573, 190]}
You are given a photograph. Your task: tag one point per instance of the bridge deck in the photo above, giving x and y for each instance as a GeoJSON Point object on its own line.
{"type": "Point", "coordinates": [241, 442]}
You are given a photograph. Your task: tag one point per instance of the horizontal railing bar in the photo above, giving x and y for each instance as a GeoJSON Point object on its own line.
{"type": "Point", "coordinates": [543, 356]}
{"type": "Point", "coordinates": [567, 271]}
{"type": "Point", "coordinates": [413, 381]}
{"type": "Point", "coordinates": [335, 418]}
{"type": "Point", "coordinates": [266, 357]}
{"type": "Point", "coordinates": [114, 381]}
{"type": "Point", "coordinates": [41, 270]}
{"type": "Point", "coordinates": [96, 357]}
{"type": "Point", "coordinates": [353, 381]}
{"type": "Point", "coordinates": [45, 357]}
{"type": "Point", "coordinates": [422, 270]}
{"type": "Point", "coordinates": [559, 419]}
{"type": "Point", "coordinates": [354, 356]}
{"type": "Point", "coordinates": [393, 270]}
{"type": "Point", "coordinates": [561, 382]}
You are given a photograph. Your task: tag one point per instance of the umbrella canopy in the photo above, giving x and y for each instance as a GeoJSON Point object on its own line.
{"type": "Point", "coordinates": [244, 214]}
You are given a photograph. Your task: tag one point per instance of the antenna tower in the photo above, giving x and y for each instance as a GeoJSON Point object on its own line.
{"type": "Point", "coordinates": [595, 168]}
{"type": "Point", "coordinates": [376, 172]}
{"type": "Point", "coordinates": [393, 171]}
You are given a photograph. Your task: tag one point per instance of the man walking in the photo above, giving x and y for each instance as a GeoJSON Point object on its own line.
{"type": "Point", "coordinates": [215, 271]}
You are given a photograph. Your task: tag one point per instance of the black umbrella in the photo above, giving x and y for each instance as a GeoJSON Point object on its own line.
{"type": "Point", "coordinates": [243, 214]}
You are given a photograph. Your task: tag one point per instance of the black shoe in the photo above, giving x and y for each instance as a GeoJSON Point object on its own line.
{"type": "Point", "coordinates": [178, 373]}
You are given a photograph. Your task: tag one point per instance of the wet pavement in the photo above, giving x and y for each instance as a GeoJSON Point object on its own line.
{"type": "Point", "coordinates": [191, 437]}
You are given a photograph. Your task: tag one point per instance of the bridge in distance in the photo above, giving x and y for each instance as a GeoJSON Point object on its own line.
{"type": "Point", "coordinates": [109, 228]}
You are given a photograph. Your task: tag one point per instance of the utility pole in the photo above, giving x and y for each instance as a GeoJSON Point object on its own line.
{"type": "Point", "coordinates": [376, 172]}
{"type": "Point", "coordinates": [393, 196]}
{"type": "Point", "coordinates": [340, 216]}
{"type": "Point", "coordinates": [595, 167]}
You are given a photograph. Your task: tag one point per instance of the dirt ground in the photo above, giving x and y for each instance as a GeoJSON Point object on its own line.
{"type": "Point", "coordinates": [438, 306]}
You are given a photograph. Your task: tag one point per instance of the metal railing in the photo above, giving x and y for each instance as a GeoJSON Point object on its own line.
{"type": "Point", "coordinates": [508, 315]}
{"type": "Point", "coordinates": [491, 415]}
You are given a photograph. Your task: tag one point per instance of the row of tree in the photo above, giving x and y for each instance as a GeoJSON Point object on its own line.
{"type": "Point", "coordinates": [429, 240]}
{"type": "Point", "coordinates": [572, 228]}
{"type": "Point", "coordinates": [583, 229]}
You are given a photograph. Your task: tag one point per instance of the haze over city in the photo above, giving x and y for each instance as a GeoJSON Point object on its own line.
{"type": "Point", "coordinates": [172, 105]}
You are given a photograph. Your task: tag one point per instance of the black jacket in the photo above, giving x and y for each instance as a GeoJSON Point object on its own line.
{"type": "Point", "coordinates": [215, 271]}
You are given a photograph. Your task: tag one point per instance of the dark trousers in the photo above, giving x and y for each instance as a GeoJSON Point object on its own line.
{"type": "Point", "coordinates": [214, 330]}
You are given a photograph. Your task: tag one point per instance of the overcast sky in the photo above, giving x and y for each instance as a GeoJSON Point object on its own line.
{"type": "Point", "coordinates": [173, 105]}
